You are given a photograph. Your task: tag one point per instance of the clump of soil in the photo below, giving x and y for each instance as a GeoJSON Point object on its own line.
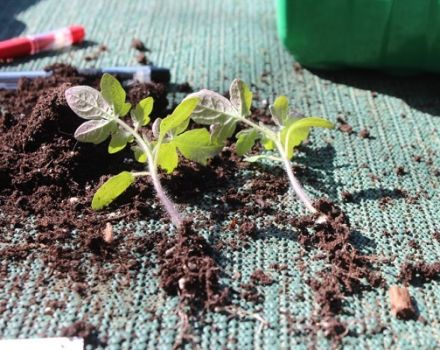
{"type": "Point", "coordinates": [142, 58]}
{"type": "Point", "coordinates": [347, 267]}
{"type": "Point", "coordinates": [137, 44]}
{"type": "Point", "coordinates": [94, 55]}
{"type": "Point", "coordinates": [250, 293]}
{"type": "Point", "coordinates": [260, 277]}
{"type": "Point", "coordinates": [400, 171]}
{"type": "Point", "coordinates": [344, 126]}
{"type": "Point", "coordinates": [418, 273]}
{"type": "Point", "coordinates": [188, 269]}
{"type": "Point", "coordinates": [46, 174]}
{"type": "Point", "coordinates": [364, 134]}
{"type": "Point", "coordinates": [347, 196]}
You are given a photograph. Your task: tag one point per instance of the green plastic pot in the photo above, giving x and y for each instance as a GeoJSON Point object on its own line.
{"type": "Point", "coordinates": [395, 35]}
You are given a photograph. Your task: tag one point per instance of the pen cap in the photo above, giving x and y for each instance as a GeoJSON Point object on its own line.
{"type": "Point", "coordinates": [78, 33]}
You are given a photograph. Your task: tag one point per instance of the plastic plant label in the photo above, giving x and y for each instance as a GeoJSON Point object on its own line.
{"type": "Point", "coordinates": [42, 344]}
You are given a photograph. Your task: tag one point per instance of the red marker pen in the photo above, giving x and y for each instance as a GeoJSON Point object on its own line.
{"type": "Point", "coordinates": [32, 44]}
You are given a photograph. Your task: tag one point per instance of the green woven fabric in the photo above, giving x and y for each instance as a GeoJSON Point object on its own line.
{"type": "Point", "coordinates": [208, 43]}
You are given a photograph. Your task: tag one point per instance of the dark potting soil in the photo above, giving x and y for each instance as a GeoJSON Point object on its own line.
{"type": "Point", "coordinates": [83, 330]}
{"type": "Point", "coordinates": [138, 45]}
{"type": "Point", "coordinates": [346, 269]}
{"type": "Point", "coordinates": [344, 126]}
{"type": "Point", "coordinates": [418, 273]}
{"type": "Point", "coordinates": [46, 174]}
{"type": "Point", "coordinates": [188, 269]}
{"type": "Point", "coordinates": [261, 277]}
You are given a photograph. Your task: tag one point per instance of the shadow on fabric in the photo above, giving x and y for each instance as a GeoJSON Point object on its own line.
{"type": "Point", "coordinates": [420, 92]}
{"type": "Point", "coordinates": [11, 26]}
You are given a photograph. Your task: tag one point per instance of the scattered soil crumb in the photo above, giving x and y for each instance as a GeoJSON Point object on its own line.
{"type": "Point", "coordinates": [384, 201]}
{"type": "Point", "coordinates": [297, 67]}
{"type": "Point", "coordinates": [260, 277]}
{"type": "Point", "coordinates": [94, 55]}
{"type": "Point", "coordinates": [436, 236]}
{"type": "Point", "coordinates": [137, 44]}
{"type": "Point", "coordinates": [184, 87]}
{"type": "Point", "coordinates": [56, 304]}
{"type": "Point", "coordinates": [278, 267]}
{"type": "Point", "coordinates": [418, 158]}
{"type": "Point", "coordinates": [413, 244]}
{"type": "Point", "coordinates": [344, 126]}
{"type": "Point", "coordinates": [401, 303]}
{"type": "Point", "coordinates": [249, 292]}
{"type": "Point", "coordinates": [141, 58]}
{"type": "Point", "coordinates": [364, 134]}
{"type": "Point", "coordinates": [418, 273]}
{"type": "Point", "coordinates": [400, 171]}
{"type": "Point", "coordinates": [346, 196]}
{"type": "Point", "coordinates": [247, 229]}
{"type": "Point", "coordinates": [373, 177]}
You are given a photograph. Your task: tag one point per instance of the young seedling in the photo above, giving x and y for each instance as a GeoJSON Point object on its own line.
{"type": "Point", "coordinates": [105, 112]}
{"type": "Point", "coordinates": [223, 115]}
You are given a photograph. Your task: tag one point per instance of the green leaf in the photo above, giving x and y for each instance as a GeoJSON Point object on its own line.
{"type": "Point", "coordinates": [94, 131]}
{"type": "Point", "coordinates": [181, 128]}
{"type": "Point", "coordinates": [138, 154]}
{"type": "Point", "coordinates": [167, 157]}
{"type": "Point", "coordinates": [196, 145]}
{"type": "Point", "coordinates": [118, 141]}
{"type": "Point", "coordinates": [88, 103]}
{"type": "Point", "coordinates": [141, 114]}
{"type": "Point", "coordinates": [312, 122]}
{"type": "Point", "coordinates": [125, 109]}
{"type": "Point", "coordinates": [217, 111]}
{"type": "Point", "coordinates": [267, 143]}
{"type": "Point", "coordinates": [240, 97]}
{"type": "Point", "coordinates": [298, 130]}
{"type": "Point", "coordinates": [113, 92]}
{"type": "Point", "coordinates": [111, 189]}
{"type": "Point", "coordinates": [246, 140]}
{"type": "Point", "coordinates": [280, 110]}
{"type": "Point", "coordinates": [221, 132]}
{"type": "Point", "coordinates": [180, 115]}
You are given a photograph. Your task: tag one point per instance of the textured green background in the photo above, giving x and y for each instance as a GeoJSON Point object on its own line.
{"type": "Point", "coordinates": [208, 43]}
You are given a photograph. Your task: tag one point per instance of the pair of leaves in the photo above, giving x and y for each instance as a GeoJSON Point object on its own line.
{"type": "Point", "coordinates": [293, 131]}
{"type": "Point", "coordinates": [194, 144]}
{"type": "Point", "coordinates": [219, 112]}
{"type": "Point", "coordinates": [102, 109]}
{"type": "Point", "coordinates": [296, 131]}
{"type": "Point", "coordinates": [89, 104]}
